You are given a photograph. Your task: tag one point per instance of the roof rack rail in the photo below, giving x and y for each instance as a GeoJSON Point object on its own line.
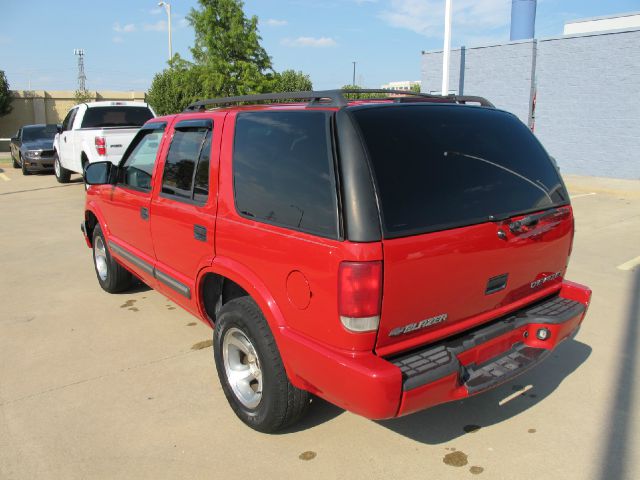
{"type": "Point", "coordinates": [337, 98]}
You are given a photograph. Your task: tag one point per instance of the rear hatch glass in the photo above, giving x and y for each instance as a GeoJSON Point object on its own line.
{"type": "Point", "coordinates": [444, 166]}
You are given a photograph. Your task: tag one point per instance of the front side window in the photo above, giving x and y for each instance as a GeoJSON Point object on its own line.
{"type": "Point", "coordinates": [67, 123]}
{"type": "Point", "coordinates": [137, 169]}
{"type": "Point", "coordinates": [283, 170]}
{"type": "Point", "coordinates": [186, 170]}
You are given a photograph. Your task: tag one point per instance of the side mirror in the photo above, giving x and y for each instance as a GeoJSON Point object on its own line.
{"type": "Point", "coordinates": [59, 128]}
{"type": "Point", "coordinates": [14, 139]}
{"type": "Point", "coordinates": [99, 173]}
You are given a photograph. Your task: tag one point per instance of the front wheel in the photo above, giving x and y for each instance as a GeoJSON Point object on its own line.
{"type": "Point", "coordinates": [112, 276]}
{"type": "Point", "coordinates": [62, 174]}
{"type": "Point", "coordinates": [251, 371]}
{"type": "Point", "coordinates": [25, 170]}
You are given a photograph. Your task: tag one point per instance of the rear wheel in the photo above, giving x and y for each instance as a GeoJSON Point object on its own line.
{"type": "Point", "coordinates": [62, 174]}
{"type": "Point", "coordinates": [251, 370]}
{"type": "Point", "coordinates": [112, 276]}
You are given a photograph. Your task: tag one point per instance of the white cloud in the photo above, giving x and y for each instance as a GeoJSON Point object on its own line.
{"type": "Point", "coordinates": [128, 28]}
{"type": "Point", "coordinates": [117, 39]}
{"type": "Point", "coordinates": [159, 26]}
{"type": "Point", "coordinates": [309, 42]}
{"type": "Point", "coordinates": [471, 18]}
{"type": "Point", "coordinates": [272, 22]}
{"type": "Point", "coordinates": [156, 11]}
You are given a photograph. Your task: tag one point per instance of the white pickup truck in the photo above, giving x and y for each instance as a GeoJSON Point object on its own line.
{"type": "Point", "coordinates": [96, 131]}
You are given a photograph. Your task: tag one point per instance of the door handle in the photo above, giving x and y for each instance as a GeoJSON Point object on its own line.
{"type": "Point", "coordinates": [200, 233]}
{"type": "Point", "coordinates": [144, 213]}
{"type": "Point", "coordinates": [65, 139]}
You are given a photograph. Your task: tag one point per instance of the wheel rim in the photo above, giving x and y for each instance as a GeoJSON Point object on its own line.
{"type": "Point", "coordinates": [242, 367]}
{"type": "Point", "coordinates": [56, 166]}
{"type": "Point", "coordinates": [100, 257]}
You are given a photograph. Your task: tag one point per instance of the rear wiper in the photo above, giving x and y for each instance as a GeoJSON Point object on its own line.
{"type": "Point", "coordinates": [533, 219]}
{"type": "Point", "coordinates": [502, 167]}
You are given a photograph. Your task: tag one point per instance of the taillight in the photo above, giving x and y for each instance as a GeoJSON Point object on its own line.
{"type": "Point", "coordinates": [360, 295]}
{"type": "Point", "coordinates": [101, 146]}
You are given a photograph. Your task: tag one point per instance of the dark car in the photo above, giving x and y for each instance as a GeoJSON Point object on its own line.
{"type": "Point", "coordinates": [32, 148]}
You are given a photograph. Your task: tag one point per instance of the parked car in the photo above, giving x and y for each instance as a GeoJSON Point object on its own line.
{"type": "Point", "coordinates": [96, 131]}
{"type": "Point", "coordinates": [387, 255]}
{"type": "Point", "coordinates": [32, 148]}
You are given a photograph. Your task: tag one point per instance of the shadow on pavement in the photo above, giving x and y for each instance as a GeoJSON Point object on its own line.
{"type": "Point", "coordinates": [320, 411]}
{"type": "Point", "coordinates": [446, 422]}
{"type": "Point", "coordinates": [615, 458]}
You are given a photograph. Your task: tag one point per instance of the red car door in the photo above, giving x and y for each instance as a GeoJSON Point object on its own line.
{"type": "Point", "coordinates": [127, 204]}
{"type": "Point", "coordinates": [183, 208]}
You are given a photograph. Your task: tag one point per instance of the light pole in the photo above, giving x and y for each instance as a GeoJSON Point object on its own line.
{"type": "Point", "coordinates": [167, 7]}
{"type": "Point", "coordinates": [354, 74]}
{"type": "Point", "coordinates": [447, 48]}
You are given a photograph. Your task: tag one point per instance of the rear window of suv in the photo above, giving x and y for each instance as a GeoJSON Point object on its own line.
{"type": "Point", "coordinates": [444, 166]}
{"type": "Point", "coordinates": [123, 116]}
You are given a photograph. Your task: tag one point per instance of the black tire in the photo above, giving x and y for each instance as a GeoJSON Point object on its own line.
{"type": "Point", "coordinates": [62, 174]}
{"type": "Point", "coordinates": [25, 171]}
{"type": "Point", "coordinates": [281, 404]}
{"type": "Point", "coordinates": [112, 276]}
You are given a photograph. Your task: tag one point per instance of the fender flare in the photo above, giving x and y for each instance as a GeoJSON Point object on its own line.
{"type": "Point", "coordinates": [93, 207]}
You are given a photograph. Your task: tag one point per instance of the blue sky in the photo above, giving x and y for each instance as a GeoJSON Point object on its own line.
{"type": "Point", "coordinates": [126, 40]}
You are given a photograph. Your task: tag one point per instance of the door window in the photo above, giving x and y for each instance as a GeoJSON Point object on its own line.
{"type": "Point", "coordinates": [67, 123]}
{"type": "Point", "coordinates": [186, 170]}
{"type": "Point", "coordinates": [140, 157]}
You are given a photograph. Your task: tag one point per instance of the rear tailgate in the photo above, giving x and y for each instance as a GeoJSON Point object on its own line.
{"type": "Point", "coordinates": [452, 181]}
{"type": "Point", "coordinates": [117, 140]}
{"type": "Point", "coordinates": [441, 283]}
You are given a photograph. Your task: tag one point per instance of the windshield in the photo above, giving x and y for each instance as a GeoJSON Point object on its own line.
{"type": "Point", "coordinates": [445, 166]}
{"type": "Point", "coordinates": [122, 116]}
{"type": "Point", "coordinates": [44, 132]}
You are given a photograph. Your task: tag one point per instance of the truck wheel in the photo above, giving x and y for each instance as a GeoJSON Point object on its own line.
{"type": "Point", "coordinates": [62, 174]}
{"type": "Point", "coordinates": [112, 276]}
{"type": "Point", "coordinates": [25, 171]}
{"type": "Point", "coordinates": [251, 370]}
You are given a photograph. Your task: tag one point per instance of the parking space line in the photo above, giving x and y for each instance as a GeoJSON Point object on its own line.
{"type": "Point", "coordinates": [4, 177]}
{"type": "Point", "coordinates": [582, 195]}
{"type": "Point", "coordinates": [515, 394]}
{"type": "Point", "coordinates": [634, 262]}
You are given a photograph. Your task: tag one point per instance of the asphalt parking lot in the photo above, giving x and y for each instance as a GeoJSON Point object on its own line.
{"type": "Point", "coordinates": [123, 386]}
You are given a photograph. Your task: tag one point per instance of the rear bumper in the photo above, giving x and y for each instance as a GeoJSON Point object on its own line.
{"type": "Point", "coordinates": [458, 367]}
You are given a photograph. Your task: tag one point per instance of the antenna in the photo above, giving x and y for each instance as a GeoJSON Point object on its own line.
{"type": "Point", "coordinates": [82, 78]}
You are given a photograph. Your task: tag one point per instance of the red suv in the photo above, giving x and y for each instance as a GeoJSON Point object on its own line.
{"type": "Point", "coordinates": [386, 255]}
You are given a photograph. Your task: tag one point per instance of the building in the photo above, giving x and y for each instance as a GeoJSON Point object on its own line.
{"type": "Point", "coordinates": [601, 24]}
{"type": "Point", "coordinates": [407, 85]}
{"type": "Point", "coordinates": [578, 92]}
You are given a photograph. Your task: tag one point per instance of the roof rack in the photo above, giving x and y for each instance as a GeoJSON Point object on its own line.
{"type": "Point", "coordinates": [336, 98]}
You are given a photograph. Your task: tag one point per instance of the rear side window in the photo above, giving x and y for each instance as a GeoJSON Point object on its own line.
{"type": "Point", "coordinates": [283, 170]}
{"type": "Point", "coordinates": [186, 170]}
{"type": "Point", "coordinates": [102, 117]}
{"type": "Point", "coordinates": [446, 166]}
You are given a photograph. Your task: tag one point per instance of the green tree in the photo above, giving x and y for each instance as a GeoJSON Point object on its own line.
{"type": "Point", "coordinates": [292, 81]}
{"type": "Point", "coordinates": [82, 96]}
{"type": "Point", "coordinates": [227, 45]}
{"type": "Point", "coordinates": [176, 87]}
{"type": "Point", "coordinates": [5, 95]}
{"type": "Point", "coordinates": [415, 88]}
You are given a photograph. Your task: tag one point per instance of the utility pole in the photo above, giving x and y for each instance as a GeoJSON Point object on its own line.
{"type": "Point", "coordinates": [447, 48]}
{"type": "Point", "coordinates": [167, 7]}
{"type": "Point", "coordinates": [353, 83]}
{"type": "Point", "coordinates": [82, 78]}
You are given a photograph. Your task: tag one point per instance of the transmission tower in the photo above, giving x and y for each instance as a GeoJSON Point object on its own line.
{"type": "Point", "coordinates": [82, 78]}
